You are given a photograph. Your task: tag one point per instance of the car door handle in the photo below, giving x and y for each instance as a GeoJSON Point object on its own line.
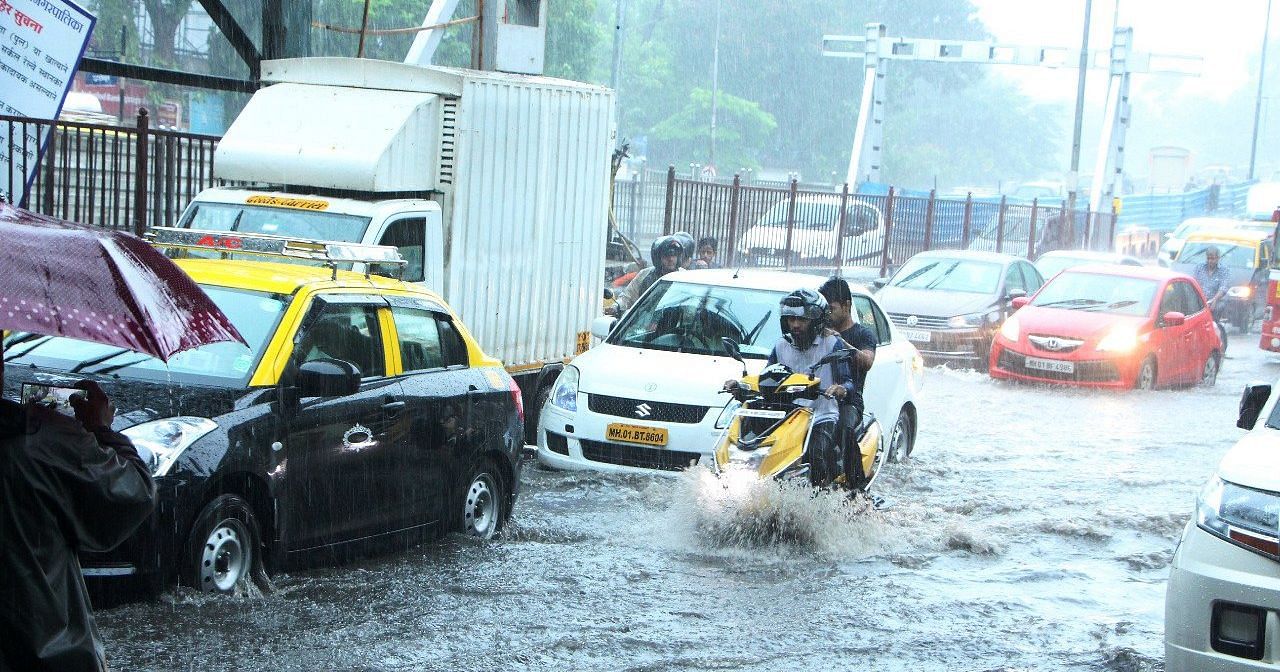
{"type": "Point", "coordinates": [393, 406]}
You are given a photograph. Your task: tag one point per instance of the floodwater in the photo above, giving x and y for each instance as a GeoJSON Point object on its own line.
{"type": "Point", "coordinates": [1031, 530]}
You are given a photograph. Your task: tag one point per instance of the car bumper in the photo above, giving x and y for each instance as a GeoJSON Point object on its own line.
{"type": "Point", "coordinates": [1008, 363]}
{"type": "Point", "coordinates": [1207, 570]}
{"type": "Point", "coordinates": [577, 441]}
{"type": "Point", "coordinates": [952, 345]}
{"type": "Point", "coordinates": [152, 552]}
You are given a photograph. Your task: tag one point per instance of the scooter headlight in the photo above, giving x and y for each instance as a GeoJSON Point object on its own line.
{"type": "Point", "coordinates": [726, 416]}
{"type": "Point", "coordinates": [1240, 292]}
{"type": "Point", "coordinates": [1241, 516]}
{"type": "Point", "coordinates": [565, 392]}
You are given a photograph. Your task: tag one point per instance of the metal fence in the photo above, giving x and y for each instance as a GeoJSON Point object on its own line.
{"type": "Point", "coordinates": [114, 177]}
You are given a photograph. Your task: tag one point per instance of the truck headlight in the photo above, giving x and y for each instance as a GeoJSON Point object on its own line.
{"type": "Point", "coordinates": [160, 442]}
{"type": "Point", "coordinates": [726, 416]}
{"type": "Point", "coordinates": [565, 392]}
{"type": "Point", "coordinates": [1119, 339]}
{"type": "Point", "coordinates": [1239, 515]}
{"type": "Point", "coordinates": [1240, 292]}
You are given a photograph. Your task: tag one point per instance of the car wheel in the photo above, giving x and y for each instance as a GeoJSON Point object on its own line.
{"type": "Point", "coordinates": [1146, 379]}
{"type": "Point", "coordinates": [225, 547]}
{"type": "Point", "coordinates": [533, 413]}
{"type": "Point", "coordinates": [481, 507]}
{"type": "Point", "coordinates": [902, 439]}
{"type": "Point", "coordinates": [1210, 375]}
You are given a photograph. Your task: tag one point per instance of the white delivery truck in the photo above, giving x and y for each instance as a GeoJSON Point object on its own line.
{"type": "Point", "coordinates": [494, 186]}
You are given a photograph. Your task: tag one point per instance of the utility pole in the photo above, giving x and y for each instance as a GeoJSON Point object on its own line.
{"type": "Point", "coordinates": [1074, 175]}
{"type": "Point", "coordinates": [1257, 105]}
{"type": "Point", "coordinates": [619, 11]}
{"type": "Point", "coordinates": [715, 86]}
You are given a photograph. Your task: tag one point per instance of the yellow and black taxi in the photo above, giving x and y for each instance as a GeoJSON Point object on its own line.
{"type": "Point", "coordinates": [363, 413]}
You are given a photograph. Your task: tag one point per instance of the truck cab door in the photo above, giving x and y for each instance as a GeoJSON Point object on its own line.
{"type": "Point", "coordinates": [420, 238]}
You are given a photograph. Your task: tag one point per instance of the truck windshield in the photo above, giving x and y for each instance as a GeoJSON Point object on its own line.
{"type": "Point", "coordinates": [254, 314]}
{"type": "Point", "coordinates": [686, 317]}
{"type": "Point", "coordinates": [291, 222]}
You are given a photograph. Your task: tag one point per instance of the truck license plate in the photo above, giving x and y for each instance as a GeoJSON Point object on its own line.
{"type": "Point", "coordinates": [649, 436]}
{"type": "Point", "coordinates": [1054, 365]}
{"type": "Point", "coordinates": [917, 335]}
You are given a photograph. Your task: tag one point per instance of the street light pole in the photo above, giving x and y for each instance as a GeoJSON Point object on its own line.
{"type": "Point", "coordinates": [617, 43]}
{"type": "Point", "coordinates": [715, 86]}
{"type": "Point", "coordinates": [1257, 105]}
{"type": "Point", "coordinates": [1079, 122]}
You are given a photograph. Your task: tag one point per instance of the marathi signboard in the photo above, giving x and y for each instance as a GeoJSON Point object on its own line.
{"type": "Point", "coordinates": [41, 42]}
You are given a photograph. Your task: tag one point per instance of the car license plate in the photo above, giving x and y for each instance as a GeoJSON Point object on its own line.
{"type": "Point", "coordinates": [649, 436]}
{"type": "Point", "coordinates": [918, 335]}
{"type": "Point", "coordinates": [1054, 365]}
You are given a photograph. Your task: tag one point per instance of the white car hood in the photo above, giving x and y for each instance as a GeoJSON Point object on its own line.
{"type": "Point", "coordinates": [658, 375]}
{"type": "Point", "coordinates": [807, 241]}
{"type": "Point", "coordinates": [1254, 461]}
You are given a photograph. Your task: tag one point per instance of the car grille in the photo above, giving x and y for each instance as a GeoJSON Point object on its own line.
{"type": "Point", "coordinates": [1086, 372]}
{"type": "Point", "coordinates": [655, 411]}
{"type": "Point", "coordinates": [557, 443]}
{"type": "Point", "coordinates": [1054, 343]}
{"type": "Point", "coordinates": [922, 321]}
{"type": "Point", "coordinates": [638, 456]}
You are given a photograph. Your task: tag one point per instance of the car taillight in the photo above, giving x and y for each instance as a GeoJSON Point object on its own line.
{"type": "Point", "coordinates": [517, 397]}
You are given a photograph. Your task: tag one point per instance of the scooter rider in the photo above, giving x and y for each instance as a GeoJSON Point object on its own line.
{"type": "Point", "coordinates": [804, 315]}
{"type": "Point", "coordinates": [666, 254]}
{"type": "Point", "coordinates": [857, 337]}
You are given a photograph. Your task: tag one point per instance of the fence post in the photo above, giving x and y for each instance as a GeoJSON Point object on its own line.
{"type": "Point", "coordinates": [888, 233]}
{"type": "Point", "coordinates": [1000, 226]}
{"type": "Point", "coordinates": [671, 189]}
{"type": "Point", "coordinates": [632, 224]}
{"type": "Point", "coordinates": [732, 242]}
{"type": "Point", "coordinates": [791, 221]}
{"type": "Point", "coordinates": [844, 222]}
{"type": "Point", "coordinates": [1031, 230]}
{"type": "Point", "coordinates": [140, 174]}
{"type": "Point", "coordinates": [928, 221]}
{"type": "Point", "coordinates": [968, 215]}
{"type": "Point", "coordinates": [50, 158]}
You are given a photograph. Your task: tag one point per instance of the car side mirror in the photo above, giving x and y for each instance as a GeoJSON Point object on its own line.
{"type": "Point", "coordinates": [328, 378]}
{"type": "Point", "coordinates": [1251, 403]}
{"type": "Point", "coordinates": [602, 326]}
{"type": "Point", "coordinates": [1015, 294]}
{"type": "Point", "coordinates": [608, 293]}
{"type": "Point", "coordinates": [1174, 319]}
{"type": "Point", "coordinates": [879, 283]}
{"type": "Point", "coordinates": [1020, 301]}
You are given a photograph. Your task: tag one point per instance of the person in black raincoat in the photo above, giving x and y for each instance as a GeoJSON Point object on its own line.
{"type": "Point", "coordinates": [66, 485]}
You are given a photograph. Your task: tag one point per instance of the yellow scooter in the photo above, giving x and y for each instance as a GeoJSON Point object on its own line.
{"type": "Point", "coordinates": [771, 426]}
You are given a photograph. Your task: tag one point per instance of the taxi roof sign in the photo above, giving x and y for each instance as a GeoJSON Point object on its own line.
{"type": "Point", "coordinates": [329, 253]}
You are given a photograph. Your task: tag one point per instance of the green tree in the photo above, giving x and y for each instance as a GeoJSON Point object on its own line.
{"type": "Point", "coordinates": [165, 17]}
{"type": "Point", "coordinates": [741, 127]}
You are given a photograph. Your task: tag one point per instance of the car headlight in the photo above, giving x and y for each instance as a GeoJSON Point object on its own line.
{"type": "Point", "coordinates": [1239, 515]}
{"type": "Point", "coordinates": [1240, 292]}
{"type": "Point", "coordinates": [1119, 339]}
{"type": "Point", "coordinates": [972, 320]}
{"type": "Point", "coordinates": [726, 415]}
{"type": "Point", "coordinates": [160, 442]}
{"type": "Point", "coordinates": [565, 392]}
{"type": "Point", "coordinates": [1010, 329]}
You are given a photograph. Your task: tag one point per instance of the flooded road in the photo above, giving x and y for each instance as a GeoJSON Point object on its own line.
{"type": "Point", "coordinates": [1031, 530]}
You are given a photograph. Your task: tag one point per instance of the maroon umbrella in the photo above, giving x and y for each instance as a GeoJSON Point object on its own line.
{"type": "Point", "coordinates": [65, 279]}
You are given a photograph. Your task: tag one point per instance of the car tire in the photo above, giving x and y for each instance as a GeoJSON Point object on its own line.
{"type": "Point", "coordinates": [533, 414]}
{"type": "Point", "coordinates": [902, 438]}
{"type": "Point", "coordinates": [1209, 374]}
{"type": "Point", "coordinates": [1146, 379]}
{"type": "Point", "coordinates": [225, 547]}
{"type": "Point", "coordinates": [481, 508]}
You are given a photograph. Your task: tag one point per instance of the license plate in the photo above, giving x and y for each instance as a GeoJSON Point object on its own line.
{"type": "Point", "coordinates": [760, 413]}
{"type": "Point", "coordinates": [1054, 365]}
{"type": "Point", "coordinates": [918, 335]}
{"type": "Point", "coordinates": [649, 436]}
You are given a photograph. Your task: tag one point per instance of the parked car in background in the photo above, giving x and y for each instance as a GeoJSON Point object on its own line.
{"type": "Point", "coordinates": [1111, 326]}
{"type": "Point", "coordinates": [648, 396]}
{"type": "Point", "coordinates": [1050, 263]}
{"type": "Point", "coordinates": [1246, 256]}
{"type": "Point", "coordinates": [1223, 595]}
{"type": "Point", "coordinates": [1169, 249]}
{"type": "Point", "coordinates": [950, 303]}
{"type": "Point", "coordinates": [816, 233]}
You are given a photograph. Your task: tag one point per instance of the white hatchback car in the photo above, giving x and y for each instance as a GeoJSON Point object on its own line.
{"type": "Point", "coordinates": [648, 396]}
{"type": "Point", "coordinates": [1222, 606]}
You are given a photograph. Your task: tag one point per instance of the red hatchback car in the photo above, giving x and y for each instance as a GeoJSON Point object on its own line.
{"type": "Point", "coordinates": [1111, 326]}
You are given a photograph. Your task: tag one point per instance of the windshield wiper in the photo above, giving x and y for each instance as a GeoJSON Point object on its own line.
{"type": "Point", "coordinates": [42, 340]}
{"type": "Point", "coordinates": [1071, 302]}
{"type": "Point", "coordinates": [116, 367]}
{"type": "Point", "coordinates": [1122, 304]}
{"type": "Point", "coordinates": [94, 361]}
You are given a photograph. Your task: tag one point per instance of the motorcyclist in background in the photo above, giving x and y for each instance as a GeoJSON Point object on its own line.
{"type": "Point", "coordinates": [666, 254]}
{"type": "Point", "coordinates": [804, 316]}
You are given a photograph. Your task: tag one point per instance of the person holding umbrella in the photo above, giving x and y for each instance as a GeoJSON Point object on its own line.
{"type": "Point", "coordinates": [71, 484]}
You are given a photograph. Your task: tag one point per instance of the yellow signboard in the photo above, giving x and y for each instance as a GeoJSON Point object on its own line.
{"type": "Point", "coordinates": [584, 342]}
{"type": "Point", "coordinates": [288, 202]}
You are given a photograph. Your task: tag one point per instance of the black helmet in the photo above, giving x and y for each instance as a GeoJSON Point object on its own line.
{"type": "Point", "coordinates": [810, 305]}
{"type": "Point", "coordinates": [687, 245]}
{"type": "Point", "coordinates": [665, 246]}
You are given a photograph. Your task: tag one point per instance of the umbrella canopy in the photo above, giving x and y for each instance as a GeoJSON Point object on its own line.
{"type": "Point", "coordinates": [64, 279]}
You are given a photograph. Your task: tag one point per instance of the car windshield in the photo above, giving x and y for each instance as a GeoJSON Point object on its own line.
{"type": "Point", "coordinates": [950, 275]}
{"type": "Point", "coordinates": [1098, 292]}
{"type": "Point", "coordinates": [1231, 256]}
{"type": "Point", "coordinates": [809, 215]}
{"type": "Point", "coordinates": [686, 317]}
{"type": "Point", "coordinates": [254, 314]}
